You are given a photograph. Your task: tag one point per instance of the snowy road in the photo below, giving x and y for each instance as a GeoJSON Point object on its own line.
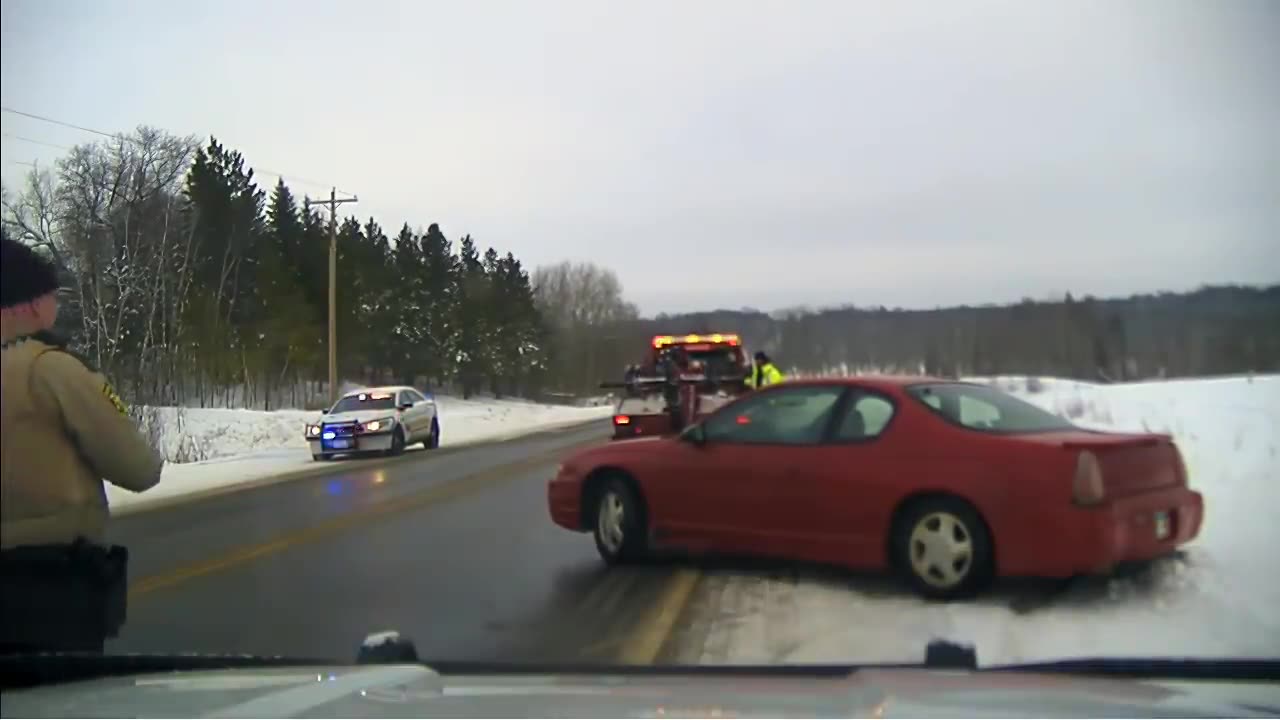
{"type": "Point", "coordinates": [452, 547]}
{"type": "Point", "coordinates": [455, 548]}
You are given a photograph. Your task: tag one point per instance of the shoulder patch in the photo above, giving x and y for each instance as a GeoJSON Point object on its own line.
{"type": "Point", "coordinates": [116, 402]}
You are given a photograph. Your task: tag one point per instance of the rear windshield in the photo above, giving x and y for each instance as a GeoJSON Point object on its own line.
{"type": "Point", "coordinates": [719, 360]}
{"type": "Point", "coordinates": [365, 401]}
{"type": "Point", "coordinates": [986, 409]}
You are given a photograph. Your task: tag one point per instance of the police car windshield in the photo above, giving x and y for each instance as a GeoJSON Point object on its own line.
{"type": "Point", "coordinates": [352, 403]}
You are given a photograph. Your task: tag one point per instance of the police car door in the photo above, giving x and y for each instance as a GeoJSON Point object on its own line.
{"type": "Point", "coordinates": [408, 414]}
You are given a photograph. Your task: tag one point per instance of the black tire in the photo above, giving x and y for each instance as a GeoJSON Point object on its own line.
{"type": "Point", "coordinates": [319, 457]}
{"type": "Point", "coordinates": [433, 440]}
{"type": "Point", "coordinates": [943, 571]}
{"type": "Point", "coordinates": [616, 497]}
{"type": "Point", "coordinates": [397, 442]}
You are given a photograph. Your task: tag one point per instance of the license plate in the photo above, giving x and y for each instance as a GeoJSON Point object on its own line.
{"type": "Point", "coordinates": [1162, 525]}
{"type": "Point", "coordinates": [339, 444]}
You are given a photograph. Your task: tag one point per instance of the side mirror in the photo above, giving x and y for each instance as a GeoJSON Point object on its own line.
{"type": "Point", "coordinates": [405, 405]}
{"type": "Point", "coordinates": [694, 434]}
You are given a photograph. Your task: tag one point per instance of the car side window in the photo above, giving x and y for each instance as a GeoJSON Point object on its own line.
{"type": "Point", "coordinates": [414, 396]}
{"type": "Point", "coordinates": [865, 417]}
{"type": "Point", "coordinates": [978, 414]}
{"type": "Point", "coordinates": [402, 398]}
{"type": "Point", "coordinates": [790, 416]}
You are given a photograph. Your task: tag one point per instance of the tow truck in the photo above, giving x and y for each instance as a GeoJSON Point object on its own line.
{"type": "Point", "coordinates": [682, 378]}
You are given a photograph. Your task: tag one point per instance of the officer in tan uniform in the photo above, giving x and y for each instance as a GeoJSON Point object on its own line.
{"type": "Point", "coordinates": [64, 430]}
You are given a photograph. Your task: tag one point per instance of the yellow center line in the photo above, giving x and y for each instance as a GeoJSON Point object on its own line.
{"type": "Point", "coordinates": [645, 644]}
{"type": "Point", "coordinates": [329, 528]}
{"type": "Point", "coordinates": [642, 646]}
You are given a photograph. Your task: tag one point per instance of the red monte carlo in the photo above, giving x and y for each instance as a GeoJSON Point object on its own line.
{"type": "Point", "coordinates": [950, 484]}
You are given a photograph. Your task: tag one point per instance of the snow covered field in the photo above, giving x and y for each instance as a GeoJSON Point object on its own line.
{"type": "Point", "coordinates": [233, 447]}
{"type": "Point", "coordinates": [1222, 599]}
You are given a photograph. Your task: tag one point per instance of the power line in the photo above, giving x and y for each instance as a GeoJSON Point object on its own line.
{"type": "Point", "coordinates": [121, 136]}
{"type": "Point", "coordinates": [36, 142]}
{"type": "Point", "coordinates": [33, 116]}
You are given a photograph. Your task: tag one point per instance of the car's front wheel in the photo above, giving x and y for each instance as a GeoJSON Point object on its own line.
{"type": "Point", "coordinates": [943, 548]}
{"type": "Point", "coordinates": [319, 457]}
{"type": "Point", "coordinates": [433, 440]}
{"type": "Point", "coordinates": [397, 442]}
{"type": "Point", "coordinates": [619, 522]}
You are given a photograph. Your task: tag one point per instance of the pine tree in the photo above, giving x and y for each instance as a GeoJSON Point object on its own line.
{"type": "Point", "coordinates": [225, 210]}
{"type": "Point", "coordinates": [438, 320]}
{"type": "Point", "coordinates": [406, 307]}
{"type": "Point", "coordinates": [519, 358]}
{"type": "Point", "coordinates": [473, 332]}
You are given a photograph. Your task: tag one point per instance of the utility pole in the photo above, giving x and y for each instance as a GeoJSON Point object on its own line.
{"type": "Point", "coordinates": [333, 204]}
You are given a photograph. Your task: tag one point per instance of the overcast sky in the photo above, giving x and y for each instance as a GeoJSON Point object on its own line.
{"type": "Point", "coordinates": [724, 154]}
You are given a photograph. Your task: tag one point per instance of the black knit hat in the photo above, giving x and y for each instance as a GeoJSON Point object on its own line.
{"type": "Point", "coordinates": [761, 357]}
{"type": "Point", "coordinates": [24, 275]}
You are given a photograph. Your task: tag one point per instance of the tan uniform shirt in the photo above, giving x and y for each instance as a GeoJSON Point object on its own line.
{"type": "Point", "coordinates": [64, 430]}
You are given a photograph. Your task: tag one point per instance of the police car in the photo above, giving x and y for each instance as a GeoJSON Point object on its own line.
{"type": "Point", "coordinates": [382, 419]}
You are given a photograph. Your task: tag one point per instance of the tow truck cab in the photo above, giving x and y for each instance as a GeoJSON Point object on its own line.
{"type": "Point", "coordinates": [682, 378]}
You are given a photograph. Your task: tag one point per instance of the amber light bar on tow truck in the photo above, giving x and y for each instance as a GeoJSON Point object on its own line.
{"type": "Point", "coordinates": [717, 338]}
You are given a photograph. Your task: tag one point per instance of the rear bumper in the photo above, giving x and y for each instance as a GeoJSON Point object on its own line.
{"type": "Point", "coordinates": [373, 442]}
{"type": "Point", "coordinates": [564, 502]}
{"type": "Point", "coordinates": [1123, 530]}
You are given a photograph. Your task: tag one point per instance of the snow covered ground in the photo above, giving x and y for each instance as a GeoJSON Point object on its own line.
{"type": "Point", "coordinates": [232, 447]}
{"type": "Point", "coordinates": [1221, 599]}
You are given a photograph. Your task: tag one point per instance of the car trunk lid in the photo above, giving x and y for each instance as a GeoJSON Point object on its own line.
{"type": "Point", "coordinates": [1131, 463]}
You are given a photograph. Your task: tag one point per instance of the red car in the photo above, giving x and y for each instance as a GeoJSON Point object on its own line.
{"type": "Point", "coordinates": [948, 483]}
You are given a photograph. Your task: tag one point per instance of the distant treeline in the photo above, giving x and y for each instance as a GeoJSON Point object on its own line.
{"type": "Point", "coordinates": [1212, 331]}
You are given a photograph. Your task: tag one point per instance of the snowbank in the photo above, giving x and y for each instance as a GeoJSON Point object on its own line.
{"type": "Point", "coordinates": [233, 447]}
{"type": "Point", "coordinates": [1222, 599]}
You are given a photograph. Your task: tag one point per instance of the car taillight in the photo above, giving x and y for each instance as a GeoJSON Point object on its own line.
{"type": "Point", "coordinates": [621, 420]}
{"type": "Point", "coordinates": [1088, 488]}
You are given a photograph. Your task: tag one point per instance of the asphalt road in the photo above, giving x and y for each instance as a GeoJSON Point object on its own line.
{"type": "Point", "coordinates": [452, 547]}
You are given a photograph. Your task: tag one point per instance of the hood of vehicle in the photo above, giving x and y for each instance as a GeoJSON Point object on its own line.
{"type": "Point", "coordinates": [415, 690]}
{"type": "Point", "coordinates": [358, 416]}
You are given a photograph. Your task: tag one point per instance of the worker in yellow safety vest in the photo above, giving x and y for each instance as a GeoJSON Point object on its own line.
{"type": "Point", "coordinates": [763, 372]}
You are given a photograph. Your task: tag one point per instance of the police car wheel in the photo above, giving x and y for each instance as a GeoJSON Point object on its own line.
{"type": "Point", "coordinates": [319, 457]}
{"type": "Point", "coordinates": [397, 442]}
{"type": "Point", "coordinates": [433, 440]}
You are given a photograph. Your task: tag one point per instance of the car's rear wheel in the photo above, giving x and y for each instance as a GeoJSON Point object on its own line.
{"type": "Point", "coordinates": [319, 457]}
{"type": "Point", "coordinates": [943, 548]}
{"type": "Point", "coordinates": [397, 441]}
{"type": "Point", "coordinates": [619, 522]}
